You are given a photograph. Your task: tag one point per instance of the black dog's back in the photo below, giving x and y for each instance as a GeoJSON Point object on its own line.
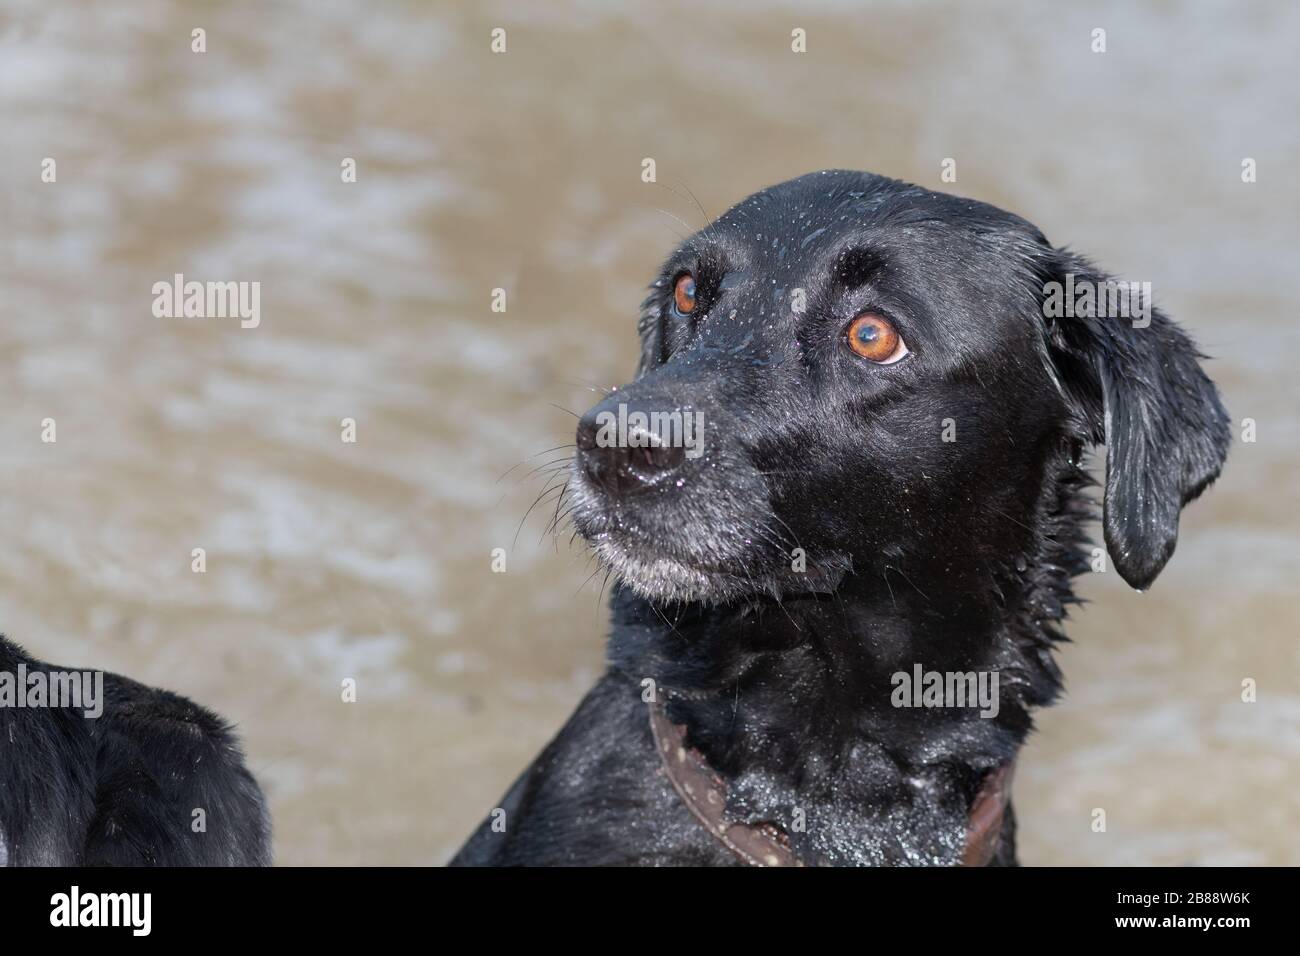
{"type": "Point", "coordinates": [156, 780]}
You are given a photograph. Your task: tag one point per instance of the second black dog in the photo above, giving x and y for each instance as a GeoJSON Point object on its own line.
{"type": "Point", "coordinates": [128, 776]}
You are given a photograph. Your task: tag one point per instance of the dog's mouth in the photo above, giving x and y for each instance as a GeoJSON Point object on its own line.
{"type": "Point", "coordinates": [659, 577]}
{"type": "Point", "coordinates": [668, 579]}
{"type": "Point", "coordinates": [736, 566]}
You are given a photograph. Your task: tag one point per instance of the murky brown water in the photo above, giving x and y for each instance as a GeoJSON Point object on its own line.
{"type": "Point", "coordinates": [371, 560]}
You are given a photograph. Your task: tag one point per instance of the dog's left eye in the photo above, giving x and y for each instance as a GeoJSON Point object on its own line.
{"type": "Point", "coordinates": [684, 294]}
{"type": "Point", "coordinates": [874, 338]}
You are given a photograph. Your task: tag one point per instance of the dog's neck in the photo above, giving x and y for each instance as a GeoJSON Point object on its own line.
{"type": "Point", "coordinates": [798, 704]}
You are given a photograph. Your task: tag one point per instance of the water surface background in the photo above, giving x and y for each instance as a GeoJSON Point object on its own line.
{"type": "Point", "coordinates": [371, 560]}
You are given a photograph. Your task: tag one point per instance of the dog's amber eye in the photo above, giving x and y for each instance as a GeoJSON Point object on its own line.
{"type": "Point", "coordinates": [684, 294]}
{"type": "Point", "coordinates": [874, 338]}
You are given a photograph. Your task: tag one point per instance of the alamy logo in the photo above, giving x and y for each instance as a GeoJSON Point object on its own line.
{"type": "Point", "coordinates": [675, 429]}
{"type": "Point", "coordinates": [923, 688]}
{"type": "Point", "coordinates": [208, 300]}
{"type": "Point", "coordinates": [1108, 299]}
{"type": "Point", "coordinates": [75, 690]}
{"type": "Point", "coordinates": [134, 910]}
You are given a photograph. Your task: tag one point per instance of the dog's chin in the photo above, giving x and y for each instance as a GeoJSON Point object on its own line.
{"type": "Point", "coordinates": [664, 579]}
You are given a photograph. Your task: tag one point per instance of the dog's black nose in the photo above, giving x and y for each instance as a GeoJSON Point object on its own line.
{"type": "Point", "coordinates": [622, 454]}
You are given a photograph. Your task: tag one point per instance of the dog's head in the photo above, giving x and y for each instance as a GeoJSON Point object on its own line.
{"type": "Point", "coordinates": [848, 374]}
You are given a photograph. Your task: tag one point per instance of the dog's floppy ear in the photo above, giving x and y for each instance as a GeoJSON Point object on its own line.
{"type": "Point", "coordinates": [1137, 381]}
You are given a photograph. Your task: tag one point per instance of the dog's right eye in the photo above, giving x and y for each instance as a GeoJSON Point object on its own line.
{"type": "Point", "coordinates": [874, 338]}
{"type": "Point", "coordinates": [684, 294]}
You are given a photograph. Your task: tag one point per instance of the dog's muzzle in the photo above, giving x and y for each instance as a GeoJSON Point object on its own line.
{"type": "Point", "coordinates": [620, 453]}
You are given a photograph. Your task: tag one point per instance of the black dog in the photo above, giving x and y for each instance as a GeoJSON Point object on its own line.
{"type": "Point", "coordinates": [129, 776]}
{"type": "Point", "coordinates": [897, 387]}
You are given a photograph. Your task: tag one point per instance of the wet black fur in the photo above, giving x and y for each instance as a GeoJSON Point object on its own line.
{"type": "Point", "coordinates": [955, 555]}
{"type": "Point", "coordinates": [120, 789]}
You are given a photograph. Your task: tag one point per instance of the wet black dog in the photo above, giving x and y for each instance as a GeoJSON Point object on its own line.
{"type": "Point", "coordinates": [897, 388]}
{"type": "Point", "coordinates": [128, 776]}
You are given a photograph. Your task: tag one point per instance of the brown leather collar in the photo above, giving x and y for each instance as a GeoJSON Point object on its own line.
{"type": "Point", "coordinates": [766, 844]}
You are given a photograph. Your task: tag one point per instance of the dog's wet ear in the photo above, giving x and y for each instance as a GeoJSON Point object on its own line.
{"type": "Point", "coordinates": [1136, 379]}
